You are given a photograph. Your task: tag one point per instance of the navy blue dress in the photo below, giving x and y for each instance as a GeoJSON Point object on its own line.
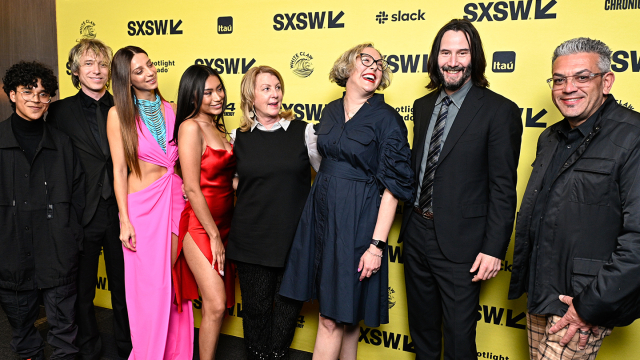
{"type": "Point", "coordinates": [360, 159]}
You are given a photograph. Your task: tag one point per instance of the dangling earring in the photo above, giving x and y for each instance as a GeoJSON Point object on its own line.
{"type": "Point", "coordinates": [252, 113]}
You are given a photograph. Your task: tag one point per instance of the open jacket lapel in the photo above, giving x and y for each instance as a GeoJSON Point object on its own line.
{"type": "Point", "coordinates": [420, 131]}
{"type": "Point", "coordinates": [472, 103]}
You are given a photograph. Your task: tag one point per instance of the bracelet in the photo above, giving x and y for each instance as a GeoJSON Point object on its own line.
{"type": "Point", "coordinates": [380, 256]}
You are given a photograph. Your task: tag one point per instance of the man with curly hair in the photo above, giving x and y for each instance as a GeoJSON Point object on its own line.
{"type": "Point", "coordinates": [41, 205]}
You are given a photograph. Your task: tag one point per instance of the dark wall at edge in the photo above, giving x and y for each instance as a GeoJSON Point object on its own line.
{"type": "Point", "coordinates": [27, 32]}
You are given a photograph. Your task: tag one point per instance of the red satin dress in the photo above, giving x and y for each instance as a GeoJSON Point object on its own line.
{"type": "Point", "coordinates": [217, 169]}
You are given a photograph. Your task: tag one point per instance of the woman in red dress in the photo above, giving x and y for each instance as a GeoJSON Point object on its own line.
{"type": "Point", "coordinates": [208, 167]}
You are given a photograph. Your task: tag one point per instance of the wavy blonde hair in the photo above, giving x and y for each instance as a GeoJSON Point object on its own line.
{"type": "Point", "coordinates": [97, 47]}
{"type": "Point", "coordinates": [247, 95]}
{"type": "Point", "coordinates": [345, 64]}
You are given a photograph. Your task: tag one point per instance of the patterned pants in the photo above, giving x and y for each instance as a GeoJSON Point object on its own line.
{"type": "Point", "coordinates": [545, 346]}
{"type": "Point", "coordinates": [269, 320]}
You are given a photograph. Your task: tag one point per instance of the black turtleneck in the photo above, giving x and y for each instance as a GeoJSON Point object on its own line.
{"type": "Point", "coordinates": [28, 133]}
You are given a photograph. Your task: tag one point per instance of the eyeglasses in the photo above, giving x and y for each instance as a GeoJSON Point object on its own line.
{"type": "Point", "coordinates": [581, 80]}
{"type": "Point", "coordinates": [43, 97]}
{"type": "Point", "coordinates": [367, 60]}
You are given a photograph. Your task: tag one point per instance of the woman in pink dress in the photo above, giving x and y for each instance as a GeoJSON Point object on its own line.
{"type": "Point", "coordinates": [150, 202]}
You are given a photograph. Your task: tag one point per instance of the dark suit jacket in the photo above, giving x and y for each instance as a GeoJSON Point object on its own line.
{"type": "Point", "coordinates": [67, 115]}
{"type": "Point", "coordinates": [474, 190]}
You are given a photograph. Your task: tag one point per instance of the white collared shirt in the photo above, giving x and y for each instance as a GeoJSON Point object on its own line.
{"type": "Point", "coordinates": [310, 139]}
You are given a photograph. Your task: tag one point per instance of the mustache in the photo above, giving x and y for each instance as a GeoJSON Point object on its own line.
{"type": "Point", "coordinates": [453, 68]}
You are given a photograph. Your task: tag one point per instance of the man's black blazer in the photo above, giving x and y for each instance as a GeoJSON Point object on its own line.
{"type": "Point", "coordinates": [474, 189]}
{"type": "Point", "coordinates": [68, 116]}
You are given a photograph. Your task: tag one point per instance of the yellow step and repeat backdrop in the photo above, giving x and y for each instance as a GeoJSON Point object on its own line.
{"type": "Point", "coordinates": [302, 39]}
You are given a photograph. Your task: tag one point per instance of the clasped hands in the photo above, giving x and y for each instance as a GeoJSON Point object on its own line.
{"type": "Point", "coordinates": [575, 323]}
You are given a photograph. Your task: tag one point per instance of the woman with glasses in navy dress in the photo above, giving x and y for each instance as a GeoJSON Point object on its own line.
{"type": "Point", "coordinates": [338, 253]}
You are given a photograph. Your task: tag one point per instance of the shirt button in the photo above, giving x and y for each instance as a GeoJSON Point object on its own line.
{"type": "Point", "coordinates": [25, 203]}
{"type": "Point", "coordinates": [334, 142]}
{"type": "Point", "coordinates": [26, 228]}
{"type": "Point", "coordinates": [26, 175]}
{"type": "Point", "coordinates": [535, 191]}
{"type": "Point", "coordinates": [28, 254]}
{"type": "Point", "coordinates": [28, 279]}
{"type": "Point", "coordinates": [568, 146]}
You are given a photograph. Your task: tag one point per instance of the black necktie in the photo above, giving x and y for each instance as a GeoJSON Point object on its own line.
{"type": "Point", "coordinates": [435, 146]}
{"type": "Point", "coordinates": [104, 146]}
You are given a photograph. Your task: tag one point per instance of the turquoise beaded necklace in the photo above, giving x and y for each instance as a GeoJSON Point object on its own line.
{"type": "Point", "coordinates": [153, 119]}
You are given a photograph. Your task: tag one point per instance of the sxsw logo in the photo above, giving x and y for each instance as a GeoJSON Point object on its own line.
{"type": "Point", "coordinates": [308, 20]}
{"type": "Point", "coordinates": [225, 25]}
{"type": "Point", "coordinates": [500, 10]}
{"type": "Point", "coordinates": [154, 27]}
{"type": "Point", "coordinates": [531, 120]}
{"type": "Point", "coordinates": [305, 111]}
{"type": "Point", "coordinates": [496, 316]}
{"type": "Point", "coordinates": [407, 63]}
{"type": "Point", "coordinates": [387, 339]}
{"type": "Point", "coordinates": [382, 16]}
{"type": "Point", "coordinates": [503, 61]}
{"type": "Point", "coordinates": [228, 65]}
{"type": "Point", "coordinates": [622, 59]}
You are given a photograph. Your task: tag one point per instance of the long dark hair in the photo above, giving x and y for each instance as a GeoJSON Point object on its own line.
{"type": "Point", "coordinates": [123, 98]}
{"type": "Point", "coordinates": [478, 62]}
{"type": "Point", "coordinates": [190, 94]}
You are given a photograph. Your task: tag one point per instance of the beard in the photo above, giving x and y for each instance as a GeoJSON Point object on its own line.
{"type": "Point", "coordinates": [454, 86]}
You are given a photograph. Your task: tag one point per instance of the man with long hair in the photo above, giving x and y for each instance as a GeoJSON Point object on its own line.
{"type": "Point", "coordinates": [83, 118]}
{"type": "Point", "coordinates": [457, 228]}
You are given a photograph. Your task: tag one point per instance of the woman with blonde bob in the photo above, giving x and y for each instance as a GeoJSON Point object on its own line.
{"type": "Point", "coordinates": [150, 202]}
{"type": "Point", "coordinates": [338, 253]}
{"type": "Point", "coordinates": [274, 153]}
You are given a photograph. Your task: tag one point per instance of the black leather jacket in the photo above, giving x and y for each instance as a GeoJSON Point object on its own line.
{"type": "Point", "coordinates": [592, 219]}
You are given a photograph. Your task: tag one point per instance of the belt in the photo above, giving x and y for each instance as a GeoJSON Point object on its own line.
{"type": "Point", "coordinates": [425, 214]}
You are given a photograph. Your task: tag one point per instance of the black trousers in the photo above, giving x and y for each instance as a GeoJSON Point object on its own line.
{"type": "Point", "coordinates": [22, 308]}
{"type": "Point", "coordinates": [268, 319]}
{"type": "Point", "coordinates": [103, 232]}
{"type": "Point", "coordinates": [438, 291]}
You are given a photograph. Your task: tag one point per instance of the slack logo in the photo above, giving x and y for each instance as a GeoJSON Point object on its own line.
{"type": "Point", "coordinates": [382, 16]}
{"type": "Point", "coordinates": [503, 61]}
{"type": "Point", "coordinates": [225, 25]}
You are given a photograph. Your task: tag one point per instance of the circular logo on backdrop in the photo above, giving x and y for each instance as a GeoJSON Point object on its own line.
{"type": "Point", "coordinates": [392, 298]}
{"type": "Point", "coordinates": [301, 64]}
{"type": "Point", "coordinates": [88, 29]}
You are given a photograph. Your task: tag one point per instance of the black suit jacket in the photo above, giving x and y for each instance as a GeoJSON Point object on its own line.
{"type": "Point", "coordinates": [474, 190]}
{"type": "Point", "coordinates": [68, 116]}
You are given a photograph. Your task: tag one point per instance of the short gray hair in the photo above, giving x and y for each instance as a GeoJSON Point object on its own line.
{"type": "Point", "coordinates": [585, 45]}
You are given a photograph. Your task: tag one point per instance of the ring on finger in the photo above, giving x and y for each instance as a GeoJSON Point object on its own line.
{"type": "Point", "coordinates": [374, 271]}
{"type": "Point", "coordinates": [584, 332]}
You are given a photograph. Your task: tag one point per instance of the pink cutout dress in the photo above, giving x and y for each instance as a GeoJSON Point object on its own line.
{"type": "Point", "coordinates": [158, 329]}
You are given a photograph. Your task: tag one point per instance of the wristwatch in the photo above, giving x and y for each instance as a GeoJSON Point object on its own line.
{"type": "Point", "coordinates": [379, 244]}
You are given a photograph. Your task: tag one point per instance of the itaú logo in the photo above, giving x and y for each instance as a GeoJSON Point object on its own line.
{"type": "Point", "coordinates": [383, 17]}
{"type": "Point", "coordinates": [503, 61]}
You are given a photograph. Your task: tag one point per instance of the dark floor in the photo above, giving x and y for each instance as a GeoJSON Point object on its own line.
{"type": "Point", "coordinates": [229, 347]}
